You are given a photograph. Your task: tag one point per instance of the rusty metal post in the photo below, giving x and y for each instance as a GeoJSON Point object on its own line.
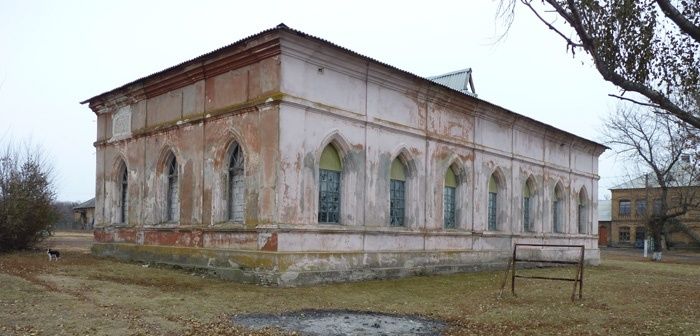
{"type": "Point", "coordinates": [512, 277]}
{"type": "Point", "coordinates": [580, 284]}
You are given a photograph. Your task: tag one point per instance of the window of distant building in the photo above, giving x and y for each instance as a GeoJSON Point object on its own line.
{"type": "Point", "coordinates": [657, 206]}
{"type": "Point", "coordinates": [624, 234]}
{"type": "Point", "coordinates": [625, 208]}
{"type": "Point", "coordinates": [639, 234]}
{"type": "Point", "coordinates": [641, 207]}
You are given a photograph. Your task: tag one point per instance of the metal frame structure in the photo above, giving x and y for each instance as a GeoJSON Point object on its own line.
{"type": "Point", "coordinates": [577, 280]}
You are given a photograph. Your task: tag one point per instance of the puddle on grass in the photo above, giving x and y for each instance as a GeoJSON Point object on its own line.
{"type": "Point", "coordinates": [342, 322]}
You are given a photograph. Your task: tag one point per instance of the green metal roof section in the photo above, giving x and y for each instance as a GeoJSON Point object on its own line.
{"type": "Point", "coordinates": [460, 80]}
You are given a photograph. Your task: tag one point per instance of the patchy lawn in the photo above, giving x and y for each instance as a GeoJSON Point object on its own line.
{"type": "Point", "coordinates": [85, 295]}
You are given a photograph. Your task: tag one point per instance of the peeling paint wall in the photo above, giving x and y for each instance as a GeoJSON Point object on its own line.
{"type": "Point", "coordinates": [434, 129]}
{"type": "Point", "coordinates": [282, 109]}
{"type": "Point", "coordinates": [197, 123]}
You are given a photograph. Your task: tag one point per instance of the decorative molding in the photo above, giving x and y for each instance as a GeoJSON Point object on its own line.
{"type": "Point", "coordinates": [183, 75]}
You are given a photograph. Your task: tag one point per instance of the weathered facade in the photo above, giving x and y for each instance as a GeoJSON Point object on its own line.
{"type": "Point", "coordinates": [285, 159]}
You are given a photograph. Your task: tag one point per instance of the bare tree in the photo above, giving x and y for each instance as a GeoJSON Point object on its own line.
{"type": "Point", "coordinates": [645, 46]}
{"type": "Point", "coordinates": [664, 150]}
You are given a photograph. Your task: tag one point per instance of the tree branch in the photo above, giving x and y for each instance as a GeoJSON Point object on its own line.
{"type": "Point", "coordinates": [684, 24]}
{"type": "Point", "coordinates": [608, 73]}
{"type": "Point", "coordinates": [569, 41]}
{"type": "Point", "coordinates": [634, 101]}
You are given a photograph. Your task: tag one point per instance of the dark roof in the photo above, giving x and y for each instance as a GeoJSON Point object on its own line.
{"type": "Point", "coordinates": [85, 205]}
{"type": "Point", "coordinates": [284, 27]}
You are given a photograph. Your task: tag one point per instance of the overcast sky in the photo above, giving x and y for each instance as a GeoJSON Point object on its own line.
{"type": "Point", "coordinates": [55, 54]}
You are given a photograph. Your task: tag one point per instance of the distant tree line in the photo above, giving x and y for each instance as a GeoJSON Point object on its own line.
{"type": "Point", "coordinates": [65, 219]}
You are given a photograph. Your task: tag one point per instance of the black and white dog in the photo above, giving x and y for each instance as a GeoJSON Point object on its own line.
{"type": "Point", "coordinates": [53, 254]}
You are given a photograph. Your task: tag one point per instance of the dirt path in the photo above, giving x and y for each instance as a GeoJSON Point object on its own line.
{"type": "Point", "coordinates": [672, 257]}
{"type": "Point", "coordinates": [76, 241]}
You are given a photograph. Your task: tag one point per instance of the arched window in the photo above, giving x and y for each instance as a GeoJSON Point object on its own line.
{"type": "Point", "coordinates": [557, 209]}
{"type": "Point", "coordinates": [329, 174]}
{"type": "Point", "coordinates": [397, 193]}
{"type": "Point", "coordinates": [448, 199]}
{"type": "Point", "coordinates": [528, 206]}
{"type": "Point", "coordinates": [236, 185]}
{"type": "Point", "coordinates": [123, 193]}
{"type": "Point", "coordinates": [493, 204]}
{"type": "Point", "coordinates": [173, 191]}
{"type": "Point", "coordinates": [582, 214]}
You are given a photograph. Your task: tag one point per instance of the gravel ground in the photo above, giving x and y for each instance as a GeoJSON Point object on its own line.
{"type": "Point", "coordinates": [342, 322]}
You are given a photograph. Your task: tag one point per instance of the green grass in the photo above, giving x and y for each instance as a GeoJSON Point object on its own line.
{"type": "Point", "coordinates": [82, 295]}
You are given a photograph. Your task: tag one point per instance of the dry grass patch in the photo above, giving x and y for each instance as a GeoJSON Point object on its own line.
{"type": "Point", "coordinates": [82, 294]}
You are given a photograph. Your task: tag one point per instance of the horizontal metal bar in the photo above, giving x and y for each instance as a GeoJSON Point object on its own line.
{"type": "Point", "coordinates": [544, 278]}
{"type": "Point", "coordinates": [550, 245]}
{"type": "Point", "coordinates": [549, 261]}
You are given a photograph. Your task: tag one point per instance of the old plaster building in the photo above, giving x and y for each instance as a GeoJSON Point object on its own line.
{"type": "Point", "coordinates": [285, 159]}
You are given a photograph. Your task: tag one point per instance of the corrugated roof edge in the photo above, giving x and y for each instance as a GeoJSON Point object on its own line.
{"type": "Point", "coordinates": [85, 205]}
{"type": "Point", "coordinates": [284, 27]}
{"type": "Point", "coordinates": [469, 70]}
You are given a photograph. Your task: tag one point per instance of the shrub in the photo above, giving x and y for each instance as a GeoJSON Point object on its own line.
{"type": "Point", "coordinates": [26, 198]}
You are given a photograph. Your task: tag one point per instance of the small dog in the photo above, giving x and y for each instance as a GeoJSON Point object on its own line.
{"type": "Point", "coordinates": [53, 254]}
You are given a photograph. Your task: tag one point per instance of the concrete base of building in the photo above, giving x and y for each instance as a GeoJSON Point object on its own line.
{"type": "Point", "coordinates": [306, 268]}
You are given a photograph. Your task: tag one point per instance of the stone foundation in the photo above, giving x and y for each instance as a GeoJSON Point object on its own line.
{"type": "Point", "coordinates": [284, 268]}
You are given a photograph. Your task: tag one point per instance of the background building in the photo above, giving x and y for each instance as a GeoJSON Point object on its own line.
{"type": "Point", "coordinates": [84, 214]}
{"type": "Point", "coordinates": [285, 159]}
{"type": "Point", "coordinates": [632, 203]}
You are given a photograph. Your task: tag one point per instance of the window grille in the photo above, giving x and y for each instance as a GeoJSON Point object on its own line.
{"type": "Point", "coordinates": [173, 194]}
{"type": "Point", "coordinates": [329, 196]}
{"type": "Point", "coordinates": [449, 207]}
{"type": "Point", "coordinates": [236, 186]}
{"type": "Point", "coordinates": [123, 201]}
{"type": "Point", "coordinates": [527, 225]}
{"type": "Point", "coordinates": [398, 202]}
{"type": "Point", "coordinates": [492, 211]}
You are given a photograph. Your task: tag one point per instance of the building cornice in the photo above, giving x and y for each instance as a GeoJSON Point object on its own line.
{"type": "Point", "coordinates": [223, 60]}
